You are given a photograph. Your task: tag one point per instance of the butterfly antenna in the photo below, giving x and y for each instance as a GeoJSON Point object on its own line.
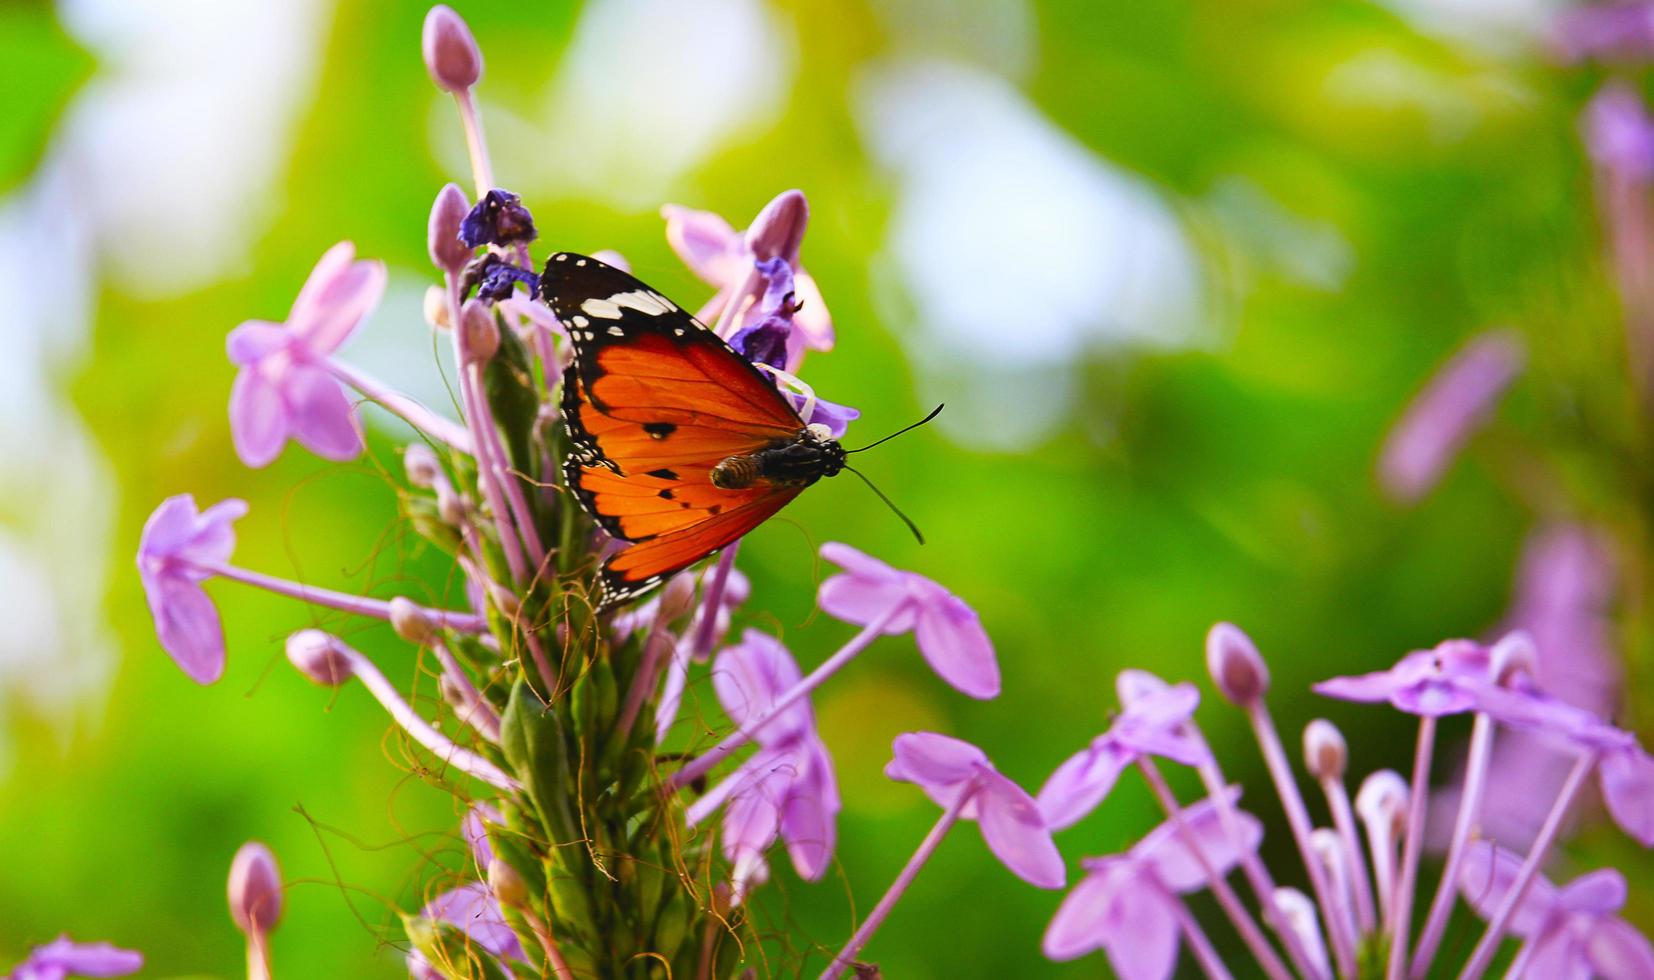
{"type": "Point", "coordinates": [887, 501]}
{"type": "Point", "coordinates": [933, 413]}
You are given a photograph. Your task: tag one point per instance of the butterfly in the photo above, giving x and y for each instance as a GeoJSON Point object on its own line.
{"type": "Point", "coordinates": [679, 444]}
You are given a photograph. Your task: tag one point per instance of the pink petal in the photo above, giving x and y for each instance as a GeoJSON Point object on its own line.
{"type": "Point", "coordinates": [812, 319]}
{"type": "Point", "coordinates": [188, 625]}
{"type": "Point", "coordinates": [1167, 849]}
{"type": "Point", "coordinates": [258, 418]}
{"type": "Point", "coordinates": [1082, 920]}
{"type": "Point", "coordinates": [750, 676]}
{"type": "Point", "coordinates": [471, 908]}
{"type": "Point", "coordinates": [705, 242]}
{"type": "Point", "coordinates": [322, 416]}
{"type": "Point", "coordinates": [1079, 785]}
{"type": "Point", "coordinates": [169, 528]}
{"type": "Point", "coordinates": [807, 820]}
{"type": "Point", "coordinates": [953, 642]}
{"type": "Point", "coordinates": [1558, 954]}
{"type": "Point", "coordinates": [338, 294]}
{"type": "Point", "coordinates": [1486, 878]}
{"type": "Point", "coordinates": [752, 820]}
{"type": "Point", "coordinates": [1600, 893]}
{"type": "Point", "coordinates": [859, 564]}
{"type": "Point", "coordinates": [929, 759]}
{"type": "Point", "coordinates": [256, 340]}
{"type": "Point", "coordinates": [1627, 780]}
{"type": "Point", "coordinates": [214, 538]}
{"type": "Point", "coordinates": [778, 230]}
{"type": "Point", "coordinates": [1619, 952]}
{"type": "Point", "coordinates": [1142, 940]}
{"type": "Point", "coordinates": [859, 600]}
{"type": "Point", "coordinates": [474, 828]}
{"type": "Point", "coordinates": [1012, 826]}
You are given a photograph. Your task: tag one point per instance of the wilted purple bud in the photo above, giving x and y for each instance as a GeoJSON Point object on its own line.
{"type": "Point", "coordinates": [481, 334]}
{"type": "Point", "coordinates": [410, 622]}
{"type": "Point", "coordinates": [1325, 751]}
{"type": "Point", "coordinates": [1455, 402]}
{"type": "Point", "coordinates": [778, 230]}
{"type": "Point", "coordinates": [1235, 665]}
{"type": "Point", "coordinates": [498, 219]}
{"type": "Point", "coordinates": [317, 657]}
{"type": "Point", "coordinates": [255, 889]}
{"type": "Point", "coordinates": [497, 279]}
{"type": "Point", "coordinates": [442, 232]}
{"type": "Point", "coordinates": [451, 54]}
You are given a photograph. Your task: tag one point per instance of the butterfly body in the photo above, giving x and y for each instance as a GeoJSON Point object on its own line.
{"type": "Point", "coordinates": [678, 443]}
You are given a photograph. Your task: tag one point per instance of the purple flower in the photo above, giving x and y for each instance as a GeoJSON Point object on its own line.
{"type": "Point", "coordinates": [175, 540]}
{"type": "Point", "coordinates": [835, 417]}
{"type": "Point", "coordinates": [949, 634]}
{"type": "Point", "coordinates": [63, 957]}
{"type": "Point", "coordinates": [1449, 679]}
{"type": "Point", "coordinates": [472, 909]}
{"type": "Point", "coordinates": [1626, 776]}
{"type": "Point", "coordinates": [285, 390]}
{"type": "Point", "coordinates": [1608, 31]}
{"type": "Point", "coordinates": [1128, 904]}
{"type": "Point", "coordinates": [1154, 722]}
{"type": "Point", "coordinates": [474, 828]}
{"type": "Point", "coordinates": [1455, 403]}
{"type": "Point", "coordinates": [787, 787]}
{"type": "Point", "coordinates": [1618, 132]}
{"type": "Point", "coordinates": [1572, 931]}
{"type": "Point", "coordinates": [725, 258]}
{"type": "Point", "coordinates": [945, 768]}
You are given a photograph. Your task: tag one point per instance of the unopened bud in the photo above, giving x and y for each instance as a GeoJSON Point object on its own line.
{"type": "Point", "coordinates": [451, 54]}
{"type": "Point", "coordinates": [1382, 801]}
{"type": "Point", "coordinates": [1514, 656]}
{"type": "Point", "coordinates": [1301, 918]}
{"type": "Point", "coordinates": [610, 257]}
{"type": "Point", "coordinates": [778, 231]}
{"type": "Point", "coordinates": [1235, 665]}
{"type": "Point", "coordinates": [481, 333]}
{"type": "Point", "coordinates": [447, 252]}
{"type": "Point", "coordinates": [504, 600]}
{"type": "Point", "coordinates": [454, 692]}
{"type": "Point", "coordinates": [676, 598]}
{"type": "Point", "coordinates": [410, 622]}
{"type": "Point", "coordinates": [421, 465]}
{"type": "Point", "coordinates": [453, 508]}
{"type": "Point", "coordinates": [507, 885]}
{"type": "Point", "coordinates": [1325, 751]}
{"type": "Point", "coordinates": [255, 889]}
{"type": "Point", "coordinates": [319, 656]}
{"type": "Point", "coordinates": [436, 308]}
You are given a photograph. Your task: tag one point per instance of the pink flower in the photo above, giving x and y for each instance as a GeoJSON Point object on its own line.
{"type": "Point", "coordinates": [285, 389]}
{"type": "Point", "coordinates": [1154, 722]}
{"type": "Point", "coordinates": [63, 957]}
{"type": "Point", "coordinates": [1128, 903]}
{"type": "Point", "coordinates": [176, 539]}
{"type": "Point", "coordinates": [1572, 931]}
{"type": "Point", "coordinates": [1452, 406]}
{"type": "Point", "coordinates": [785, 789]}
{"type": "Point", "coordinates": [1011, 824]}
{"type": "Point", "coordinates": [472, 909]}
{"type": "Point", "coordinates": [949, 634]}
{"type": "Point", "coordinates": [725, 258]}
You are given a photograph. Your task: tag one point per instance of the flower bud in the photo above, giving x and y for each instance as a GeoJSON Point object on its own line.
{"type": "Point", "coordinates": [677, 598]}
{"type": "Point", "coordinates": [610, 257]}
{"type": "Point", "coordinates": [319, 656]}
{"type": "Point", "coordinates": [1301, 918]}
{"type": "Point", "coordinates": [453, 508]}
{"type": "Point", "coordinates": [410, 622]}
{"type": "Point", "coordinates": [1325, 751]}
{"type": "Point", "coordinates": [1514, 656]}
{"type": "Point", "coordinates": [451, 54]}
{"type": "Point", "coordinates": [1235, 665]}
{"type": "Point", "coordinates": [421, 465]}
{"type": "Point", "coordinates": [778, 230]}
{"type": "Point", "coordinates": [1382, 801]}
{"type": "Point", "coordinates": [508, 886]}
{"type": "Point", "coordinates": [481, 333]}
{"type": "Point", "coordinates": [255, 889]}
{"type": "Point", "coordinates": [506, 602]}
{"type": "Point", "coordinates": [447, 252]}
{"type": "Point", "coordinates": [436, 308]}
{"type": "Point", "coordinates": [454, 693]}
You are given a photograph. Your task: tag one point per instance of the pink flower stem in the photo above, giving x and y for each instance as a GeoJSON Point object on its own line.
{"type": "Point", "coordinates": [1297, 817]}
{"type": "Point", "coordinates": [478, 713]}
{"type": "Point", "coordinates": [507, 478]}
{"type": "Point", "coordinates": [442, 430]}
{"type": "Point", "coordinates": [1470, 808]}
{"type": "Point", "coordinates": [1412, 845]}
{"type": "Point", "coordinates": [713, 600]}
{"type": "Point", "coordinates": [875, 918]}
{"type": "Point", "coordinates": [1519, 962]}
{"type": "Point", "coordinates": [744, 734]}
{"type": "Point", "coordinates": [462, 759]}
{"type": "Point", "coordinates": [1199, 946]}
{"type": "Point", "coordinates": [647, 679]}
{"type": "Point", "coordinates": [751, 288]}
{"type": "Point", "coordinates": [1343, 820]}
{"type": "Point", "coordinates": [482, 173]}
{"type": "Point", "coordinates": [486, 473]}
{"type": "Point", "coordinates": [258, 955]}
{"type": "Point", "coordinates": [1230, 902]}
{"type": "Point", "coordinates": [1257, 875]}
{"type": "Point", "coordinates": [1489, 944]}
{"type": "Point", "coordinates": [342, 601]}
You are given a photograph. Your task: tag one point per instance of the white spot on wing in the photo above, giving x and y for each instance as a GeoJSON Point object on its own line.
{"type": "Point", "coordinates": [579, 320]}
{"type": "Point", "coordinates": [603, 309]}
{"type": "Point", "coordinates": [616, 332]}
{"type": "Point", "coordinates": [643, 301]}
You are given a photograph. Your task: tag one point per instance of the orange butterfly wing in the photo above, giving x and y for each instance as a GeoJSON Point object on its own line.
{"type": "Point", "coordinates": [653, 401]}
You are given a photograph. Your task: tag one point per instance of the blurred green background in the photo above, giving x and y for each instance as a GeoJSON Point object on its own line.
{"type": "Point", "coordinates": [1316, 202]}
